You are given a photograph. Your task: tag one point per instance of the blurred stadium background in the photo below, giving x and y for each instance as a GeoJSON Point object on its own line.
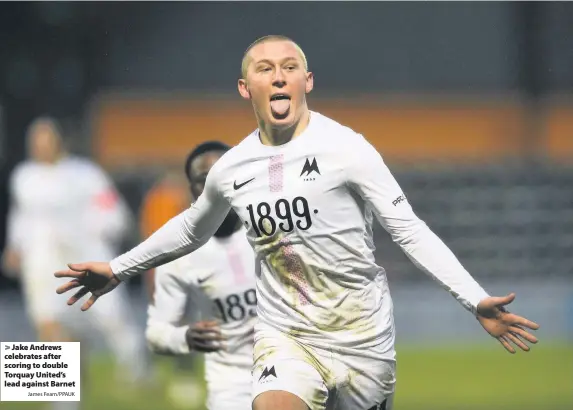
{"type": "Point", "coordinates": [470, 103]}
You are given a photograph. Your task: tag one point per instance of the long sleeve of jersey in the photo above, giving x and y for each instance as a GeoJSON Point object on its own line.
{"type": "Point", "coordinates": [372, 180]}
{"type": "Point", "coordinates": [164, 333]}
{"type": "Point", "coordinates": [181, 235]}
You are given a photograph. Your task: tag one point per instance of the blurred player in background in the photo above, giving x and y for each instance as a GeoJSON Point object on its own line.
{"type": "Point", "coordinates": [66, 207]}
{"type": "Point", "coordinates": [223, 270]}
{"type": "Point", "coordinates": [308, 189]}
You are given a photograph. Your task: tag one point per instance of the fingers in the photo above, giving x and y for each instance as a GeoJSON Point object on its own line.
{"type": "Point", "coordinates": [79, 267]}
{"type": "Point", "coordinates": [206, 324]}
{"type": "Point", "coordinates": [79, 294]}
{"type": "Point", "coordinates": [68, 286]}
{"type": "Point", "coordinates": [518, 331]}
{"type": "Point", "coordinates": [517, 342]}
{"type": "Point", "coordinates": [97, 293]}
{"type": "Point", "coordinates": [515, 320]}
{"type": "Point", "coordinates": [503, 300]}
{"type": "Point", "coordinates": [206, 348]}
{"type": "Point", "coordinates": [96, 278]}
{"type": "Point", "coordinates": [68, 274]}
{"type": "Point", "coordinates": [207, 343]}
{"type": "Point", "coordinates": [89, 303]}
{"type": "Point", "coordinates": [527, 323]}
{"type": "Point", "coordinates": [76, 270]}
{"type": "Point", "coordinates": [207, 334]}
{"type": "Point", "coordinates": [512, 337]}
{"type": "Point", "coordinates": [506, 344]}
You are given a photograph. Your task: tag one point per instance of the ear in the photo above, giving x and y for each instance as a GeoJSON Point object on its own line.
{"type": "Point", "coordinates": [309, 82]}
{"type": "Point", "coordinates": [193, 192]}
{"type": "Point", "coordinates": [244, 89]}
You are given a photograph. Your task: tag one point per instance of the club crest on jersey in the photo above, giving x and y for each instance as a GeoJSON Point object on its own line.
{"type": "Point", "coordinates": [267, 373]}
{"type": "Point", "coordinates": [309, 168]}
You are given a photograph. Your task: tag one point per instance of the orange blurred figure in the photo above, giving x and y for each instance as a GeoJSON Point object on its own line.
{"type": "Point", "coordinates": [167, 197]}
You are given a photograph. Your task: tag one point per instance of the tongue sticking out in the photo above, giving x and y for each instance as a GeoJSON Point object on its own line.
{"type": "Point", "coordinates": [280, 107]}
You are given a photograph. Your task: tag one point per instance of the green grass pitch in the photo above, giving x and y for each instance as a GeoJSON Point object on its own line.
{"type": "Point", "coordinates": [453, 378]}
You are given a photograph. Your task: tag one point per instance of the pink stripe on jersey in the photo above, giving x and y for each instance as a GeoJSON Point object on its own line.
{"type": "Point", "coordinates": [276, 173]}
{"type": "Point", "coordinates": [294, 268]}
{"type": "Point", "coordinates": [236, 265]}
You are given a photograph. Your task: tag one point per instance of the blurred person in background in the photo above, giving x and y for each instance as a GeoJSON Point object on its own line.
{"type": "Point", "coordinates": [223, 270]}
{"type": "Point", "coordinates": [65, 207]}
{"type": "Point", "coordinates": [309, 189]}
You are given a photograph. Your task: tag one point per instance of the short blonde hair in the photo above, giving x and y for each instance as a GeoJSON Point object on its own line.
{"type": "Point", "coordinates": [266, 39]}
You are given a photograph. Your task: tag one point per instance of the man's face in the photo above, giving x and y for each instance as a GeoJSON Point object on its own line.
{"type": "Point", "coordinates": [277, 83]}
{"type": "Point", "coordinates": [44, 143]}
{"type": "Point", "coordinates": [200, 167]}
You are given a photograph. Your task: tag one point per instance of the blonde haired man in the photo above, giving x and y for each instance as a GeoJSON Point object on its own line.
{"type": "Point", "coordinates": [308, 189]}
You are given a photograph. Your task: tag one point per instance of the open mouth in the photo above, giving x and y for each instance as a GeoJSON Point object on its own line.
{"type": "Point", "coordinates": [280, 105]}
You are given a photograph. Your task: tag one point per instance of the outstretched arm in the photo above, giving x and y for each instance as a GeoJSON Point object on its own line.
{"type": "Point", "coordinates": [181, 235]}
{"type": "Point", "coordinates": [372, 180]}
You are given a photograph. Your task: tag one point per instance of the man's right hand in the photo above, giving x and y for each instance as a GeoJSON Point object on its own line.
{"type": "Point", "coordinates": [205, 336]}
{"type": "Point", "coordinates": [94, 277]}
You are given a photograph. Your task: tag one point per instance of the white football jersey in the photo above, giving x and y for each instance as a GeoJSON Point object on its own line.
{"type": "Point", "coordinates": [224, 271]}
{"type": "Point", "coordinates": [308, 207]}
{"type": "Point", "coordinates": [63, 212]}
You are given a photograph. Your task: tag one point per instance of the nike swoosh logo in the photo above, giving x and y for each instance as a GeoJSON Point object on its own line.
{"type": "Point", "coordinates": [238, 186]}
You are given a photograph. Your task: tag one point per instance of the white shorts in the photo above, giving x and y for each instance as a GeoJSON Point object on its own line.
{"type": "Point", "coordinates": [228, 387]}
{"type": "Point", "coordinates": [238, 398]}
{"type": "Point", "coordinates": [322, 379]}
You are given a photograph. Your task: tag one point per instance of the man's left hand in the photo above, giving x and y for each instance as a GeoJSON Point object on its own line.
{"type": "Point", "coordinates": [506, 327]}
